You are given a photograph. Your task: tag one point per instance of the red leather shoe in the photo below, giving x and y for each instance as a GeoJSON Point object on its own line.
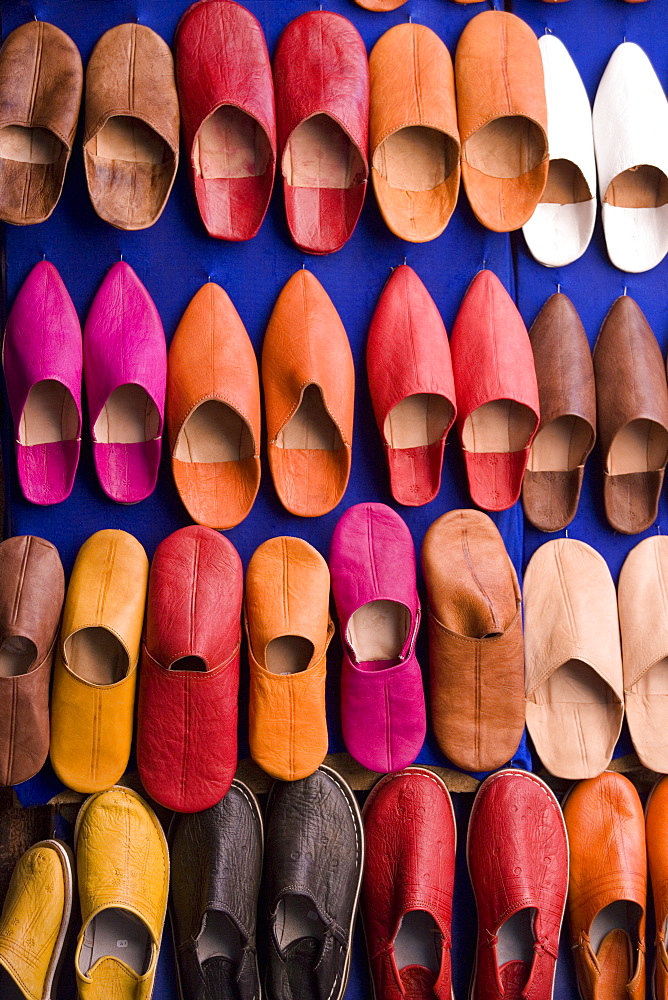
{"type": "Point", "coordinates": [322, 106]}
{"type": "Point", "coordinates": [226, 93]}
{"type": "Point", "coordinates": [189, 678]}
{"type": "Point", "coordinates": [412, 386]}
{"type": "Point", "coordinates": [517, 855]}
{"type": "Point", "coordinates": [497, 392]}
{"type": "Point", "coordinates": [408, 883]}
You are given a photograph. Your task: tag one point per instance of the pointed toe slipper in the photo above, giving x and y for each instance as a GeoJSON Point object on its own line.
{"type": "Point", "coordinates": [412, 386]}
{"type": "Point", "coordinates": [561, 228]}
{"type": "Point", "coordinates": [632, 412]}
{"type": "Point", "coordinates": [413, 132]}
{"type": "Point", "coordinates": [567, 430]}
{"type": "Point", "coordinates": [229, 123]}
{"type": "Point", "coordinates": [502, 119]}
{"type": "Point", "coordinates": [574, 687]}
{"type": "Point", "coordinates": [213, 411]}
{"type": "Point", "coordinates": [631, 140]}
{"type": "Point", "coordinates": [42, 360]}
{"type": "Point", "coordinates": [497, 395]}
{"type": "Point", "coordinates": [125, 368]}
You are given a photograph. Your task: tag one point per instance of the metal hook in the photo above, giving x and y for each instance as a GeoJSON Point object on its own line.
{"type": "Point", "coordinates": [658, 529]}
{"type": "Point", "coordinates": [304, 266]}
{"type": "Point", "coordinates": [121, 255]}
{"type": "Point", "coordinates": [566, 532]}
{"type": "Point", "coordinates": [558, 288]}
{"type": "Point", "coordinates": [209, 277]}
{"type": "Point", "coordinates": [43, 256]}
{"type": "Point", "coordinates": [548, 31]}
{"type": "Point", "coordinates": [625, 289]}
{"type": "Point", "coordinates": [624, 37]}
{"type": "Point", "coordinates": [404, 262]}
{"type": "Point", "coordinates": [410, 18]}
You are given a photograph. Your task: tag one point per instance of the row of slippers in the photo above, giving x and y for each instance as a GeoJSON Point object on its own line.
{"type": "Point", "coordinates": [285, 888]}
{"type": "Point", "coordinates": [526, 406]}
{"type": "Point", "coordinates": [527, 158]}
{"type": "Point", "coordinates": [567, 678]}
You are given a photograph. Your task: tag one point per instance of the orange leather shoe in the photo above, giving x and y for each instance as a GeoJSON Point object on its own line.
{"type": "Point", "coordinates": [608, 887]}
{"type": "Point", "coordinates": [309, 391]}
{"type": "Point", "coordinates": [502, 119]}
{"type": "Point", "coordinates": [413, 132]}
{"type": "Point", "coordinates": [289, 630]}
{"type": "Point", "coordinates": [213, 411]}
{"type": "Point", "coordinates": [656, 831]}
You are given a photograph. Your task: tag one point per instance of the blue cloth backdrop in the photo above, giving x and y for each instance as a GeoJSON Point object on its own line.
{"type": "Point", "coordinates": [175, 257]}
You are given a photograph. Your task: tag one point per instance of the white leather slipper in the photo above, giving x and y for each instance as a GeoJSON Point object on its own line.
{"type": "Point", "coordinates": [631, 142]}
{"type": "Point", "coordinates": [573, 659]}
{"type": "Point", "coordinates": [560, 229]}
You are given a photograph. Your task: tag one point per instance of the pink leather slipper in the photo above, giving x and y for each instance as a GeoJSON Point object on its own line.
{"type": "Point", "coordinates": [42, 363]}
{"type": "Point", "coordinates": [372, 565]}
{"type": "Point", "coordinates": [125, 367]}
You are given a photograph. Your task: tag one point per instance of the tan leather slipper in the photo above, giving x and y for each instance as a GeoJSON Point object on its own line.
{"type": "Point", "coordinates": [574, 687]}
{"type": "Point", "coordinates": [643, 619]}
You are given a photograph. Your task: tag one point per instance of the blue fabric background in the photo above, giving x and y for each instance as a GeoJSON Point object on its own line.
{"type": "Point", "coordinates": [175, 257]}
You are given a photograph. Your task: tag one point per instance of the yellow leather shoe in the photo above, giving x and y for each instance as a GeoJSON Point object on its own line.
{"type": "Point", "coordinates": [34, 922]}
{"type": "Point", "coordinates": [95, 671]}
{"type": "Point", "coordinates": [123, 877]}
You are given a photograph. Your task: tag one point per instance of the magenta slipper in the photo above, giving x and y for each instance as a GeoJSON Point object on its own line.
{"type": "Point", "coordinates": [372, 564]}
{"type": "Point", "coordinates": [42, 363]}
{"type": "Point", "coordinates": [125, 368]}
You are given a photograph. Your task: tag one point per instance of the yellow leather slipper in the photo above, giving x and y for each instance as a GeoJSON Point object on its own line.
{"type": "Point", "coordinates": [95, 671]}
{"type": "Point", "coordinates": [34, 922]}
{"type": "Point", "coordinates": [123, 877]}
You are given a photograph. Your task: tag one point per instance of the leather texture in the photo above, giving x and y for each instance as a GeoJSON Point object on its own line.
{"type": "Point", "coordinates": [499, 75]}
{"type": "Point", "coordinates": [216, 862]}
{"type": "Point", "coordinates": [189, 677]}
{"type": "Point", "coordinates": [287, 595]}
{"type": "Point", "coordinates": [41, 80]}
{"type": "Point", "coordinates": [222, 63]}
{"type": "Point", "coordinates": [307, 346]}
{"type": "Point", "coordinates": [606, 836]}
{"type": "Point", "coordinates": [413, 102]}
{"type": "Point", "coordinates": [562, 225]}
{"type": "Point", "coordinates": [517, 854]}
{"type": "Point", "coordinates": [408, 355]}
{"type": "Point", "coordinates": [91, 722]}
{"type": "Point", "coordinates": [643, 625]}
{"type": "Point", "coordinates": [409, 827]}
{"type": "Point", "coordinates": [476, 656]}
{"type": "Point", "coordinates": [321, 69]}
{"type": "Point", "coordinates": [124, 348]}
{"type": "Point", "coordinates": [130, 80]}
{"type": "Point", "coordinates": [211, 358]}
{"type": "Point", "coordinates": [372, 562]}
{"type": "Point", "coordinates": [574, 687]}
{"type": "Point", "coordinates": [567, 430]}
{"type": "Point", "coordinates": [113, 825]}
{"type": "Point", "coordinates": [314, 850]}
{"type": "Point", "coordinates": [492, 361]}
{"type": "Point", "coordinates": [31, 601]}
{"type": "Point", "coordinates": [43, 343]}
{"type": "Point", "coordinates": [656, 831]}
{"type": "Point", "coordinates": [630, 121]}
{"type": "Point", "coordinates": [34, 921]}
{"type": "Point", "coordinates": [631, 386]}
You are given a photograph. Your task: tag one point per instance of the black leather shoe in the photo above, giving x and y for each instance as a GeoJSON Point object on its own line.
{"type": "Point", "coordinates": [313, 868]}
{"type": "Point", "coordinates": [216, 862]}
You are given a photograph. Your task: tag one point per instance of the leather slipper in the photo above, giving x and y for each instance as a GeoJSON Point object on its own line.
{"type": "Point", "coordinates": [574, 687]}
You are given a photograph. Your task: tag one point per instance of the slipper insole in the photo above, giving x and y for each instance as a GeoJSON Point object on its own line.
{"type": "Point", "coordinates": [319, 154]}
{"type": "Point", "coordinates": [506, 147]}
{"type": "Point", "coordinates": [418, 942]}
{"type": "Point", "coordinates": [118, 934]}
{"type": "Point", "coordinates": [311, 428]}
{"type": "Point", "coordinates": [499, 426]}
{"type": "Point", "coordinates": [50, 414]}
{"type": "Point", "coordinates": [288, 654]}
{"type": "Point", "coordinates": [29, 145]}
{"type": "Point", "coordinates": [129, 417]}
{"type": "Point", "coordinates": [231, 144]}
{"type": "Point", "coordinates": [416, 158]}
{"type": "Point", "coordinates": [560, 446]}
{"type": "Point", "coordinates": [378, 630]}
{"type": "Point", "coordinates": [418, 420]}
{"type": "Point", "coordinates": [96, 655]}
{"type": "Point", "coordinates": [565, 184]}
{"type": "Point", "coordinates": [640, 446]}
{"type": "Point", "coordinates": [214, 432]}
{"type": "Point", "coordinates": [17, 654]}
{"type": "Point", "coordinates": [296, 918]}
{"type": "Point", "coordinates": [129, 139]}
{"type": "Point", "coordinates": [644, 186]}
{"type": "Point", "coordinates": [219, 938]}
